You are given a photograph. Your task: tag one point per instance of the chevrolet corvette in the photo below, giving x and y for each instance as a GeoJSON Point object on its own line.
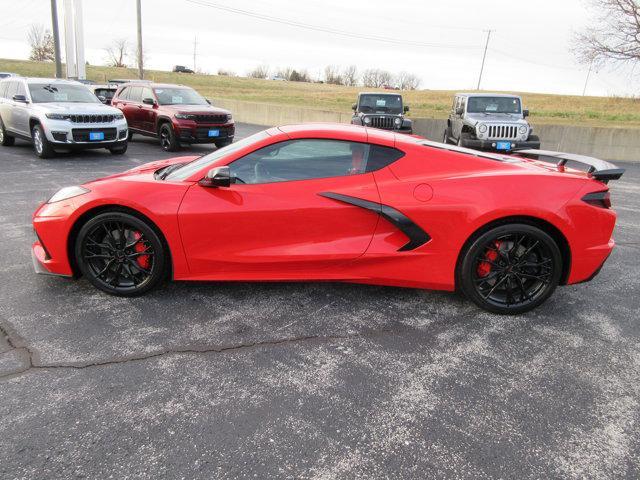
{"type": "Point", "coordinates": [325, 202]}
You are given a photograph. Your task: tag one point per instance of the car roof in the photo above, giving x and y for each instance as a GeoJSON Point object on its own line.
{"type": "Point", "coordinates": [47, 80]}
{"type": "Point", "coordinates": [378, 93]}
{"type": "Point", "coordinates": [487, 94]}
{"type": "Point", "coordinates": [143, 83]}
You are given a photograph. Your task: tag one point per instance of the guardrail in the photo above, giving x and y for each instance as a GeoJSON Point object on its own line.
{"type": "Point", "coordinates": [621, 144]}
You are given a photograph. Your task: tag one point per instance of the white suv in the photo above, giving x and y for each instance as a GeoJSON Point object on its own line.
{"type": "Point", "coordinates": [58, 114]}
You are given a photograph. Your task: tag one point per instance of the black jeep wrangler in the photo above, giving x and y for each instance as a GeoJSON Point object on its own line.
{"type": "Point", "coordinates": [382, 110]}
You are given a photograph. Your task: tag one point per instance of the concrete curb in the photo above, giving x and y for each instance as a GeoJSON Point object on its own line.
{"type": "Point", "coordinates": [621, 144]}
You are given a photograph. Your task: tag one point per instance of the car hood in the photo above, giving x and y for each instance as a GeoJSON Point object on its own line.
{"type": "Point", "coordinates": [148, 167]}
{"type": "Point", "coordinates": [81, 108]}
{"type": "Point", "coordinates": [496, 117]}
{"type": "Point", "coordinates": [205, 109]}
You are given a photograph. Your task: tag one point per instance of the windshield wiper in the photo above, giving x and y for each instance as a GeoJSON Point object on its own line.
{"type": "Point", "coordinates": [171, 168]}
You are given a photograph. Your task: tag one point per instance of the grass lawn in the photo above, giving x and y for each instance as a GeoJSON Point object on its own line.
{"type": "Point", "coordinates": [549, 109]}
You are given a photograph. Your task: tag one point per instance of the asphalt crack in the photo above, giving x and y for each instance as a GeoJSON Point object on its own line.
{"type": "Point", "coordinates": [192, 351]}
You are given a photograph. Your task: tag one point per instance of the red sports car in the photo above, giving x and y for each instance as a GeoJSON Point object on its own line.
{"type": "Point", "coordinates": [339, 203]}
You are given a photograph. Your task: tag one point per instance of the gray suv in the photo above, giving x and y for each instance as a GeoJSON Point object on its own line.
{"type": "Point", "coordinates": [489, 121]}
{"type": "Point", "coordinates": [381, 110]}
{"type": "Point", "coordinates": [58, 114]}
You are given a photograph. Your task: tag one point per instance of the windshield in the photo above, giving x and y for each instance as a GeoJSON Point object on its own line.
{"type": "Point", "coordinates": [107, 93]}
{"type": "Point", "coordinates": [493, 105]}
{"type": "Point", "coordinates": [179, 96]}
{"type": "Point", "coordinates": [372, 103]}
{"type": "Point", "coordinates": [60, 92]}
{"type": "Point", "coordinates": [192, 167]}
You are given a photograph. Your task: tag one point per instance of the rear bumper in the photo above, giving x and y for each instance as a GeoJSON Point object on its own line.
{"type": "Point", "coordinates": [588, 264]}
{"type": "Point", "coordinates": [491, 144]}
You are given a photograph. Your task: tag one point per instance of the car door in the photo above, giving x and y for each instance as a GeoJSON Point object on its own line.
{"type": "Point", "coordinates": [130, 101]}
{"type": "Point", "coordinates": [20, 111]}
{"type": "Point", "coordinates": [8, 105]}
{"type": "Point", "coordinates": [147, 113]}
{"type": "Point", "coordinates": [279, 218]}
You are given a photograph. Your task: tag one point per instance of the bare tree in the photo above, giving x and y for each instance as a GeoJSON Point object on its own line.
{"type": "Point", "coordinates": [386, 78]}
{"type": "Point", "coordinates": [374, 77]}
{"type": "Point", "coordinates": [261, 71]}
{"type": "Point", "coordinates": [332, 75]}
{"type": "Point", "coordinates": [350, 76]}
{"type": "Point", "coordinates": [117, 53]}
{"type": "Point", "coordinates": [285, 73]}
{"type": "Point", "coordinates": [407, 81]}
{"type": "Point", "coordinates": [616, 37]}
{"type": "Point", "coordinates": [41, 43]}
{"type": "Point", "coordinates": [299, 76]}
{"type": "Point", "coordinates": [226, 73]}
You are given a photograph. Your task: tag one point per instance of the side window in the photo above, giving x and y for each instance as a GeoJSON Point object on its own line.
{"type": "Point", "coordinates": [135, 94]}
{"type": "Point", "coordinates": [124, 94]}
{"type": "Point", "coordinates": [20, 90]}
{"type": "Point", "coordinates": [3, 89]}
{"type": "Point", "coordinates": [147, 93]}
{"type": "Point", "coordinates": [11, 89]}
{"type": "Point", "coordinates": [307, 159]}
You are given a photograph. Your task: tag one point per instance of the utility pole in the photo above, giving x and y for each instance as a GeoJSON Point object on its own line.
{"type": "Point", "coordinates": [140, 65]}
{"type": "Point", "coordinates": [56, 37]}
{"type": "Point", "coordinates": [584, 90]}
{"type": "Point", "coordinates": [484, 57]}
{"type": "Point", "coordinates": [195, 50]}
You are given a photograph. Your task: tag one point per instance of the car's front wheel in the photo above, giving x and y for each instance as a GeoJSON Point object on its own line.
{"type": "Point", "coordinates": [120, 254]}
{"type": "Point", "coordinates": [223, 143]}
{"type": "Point", "coordinates": [510, 269]}
{"type": "Point", "coordinates": [168, 140]}
{"type": "Point", "coordinates": [121, 150]}
{"type": "Point", "coordinates": [5, 139]}
{"type": "Point", "coordinates": [41, 145]}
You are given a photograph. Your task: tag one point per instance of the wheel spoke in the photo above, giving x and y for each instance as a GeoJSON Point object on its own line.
{"type": "Point", "coordinates": [498, 283]}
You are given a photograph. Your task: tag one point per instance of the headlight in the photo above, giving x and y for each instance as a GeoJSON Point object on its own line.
{"type": "Point", "coordinates": [229, 117]}
{"type": "Point", "coordinates": [57, 116]}
{"type": "Point", "coordinates": [367, 120]}
{"type": "Point", "coordinates": [482, 128]}
{"type": "Point", "coordinates": [184, 116]}
{"type": "Point", "coordinates": [524, 129]}
{"type": "Point", "coordinates": [398, 121]}
{"type": "Point", "coordinates": [68, 192]}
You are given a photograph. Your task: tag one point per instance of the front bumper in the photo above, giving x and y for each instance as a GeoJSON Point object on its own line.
{"type": "Point", "coordinates": [68, 135]}
{"type": "Point", "coordinates": [193, 132]}
{"type": "Point", "coordinates": [40, 259]}
{"type": "Point", "coordinates": [478, 144]}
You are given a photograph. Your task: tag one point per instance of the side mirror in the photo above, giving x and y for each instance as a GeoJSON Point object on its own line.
{"type": "Point", "coordinates": [525, 113]}
{"type": "Point", "coordinates": [354, 107]}
{"type": "Point", "coordinates": [406, 108]}
{"type": "Point", "coordinates": [459, 110]}
{"type": "Point", "coordinates": [20, 98]}
{"type": "Point", "coordinates": [149, 101]}
{"type": "Point", "coordinates": [102, 98]}
{"type": "Point", "coordinates": [217, 177]}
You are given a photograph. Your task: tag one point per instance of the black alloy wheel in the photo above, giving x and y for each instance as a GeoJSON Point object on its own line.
{"type": "Point", "coordinates": [511, 269]}
{"type": "Point", "coordinates": [120, 254]}
{"type": "Point", "coordinates": [168, 140]}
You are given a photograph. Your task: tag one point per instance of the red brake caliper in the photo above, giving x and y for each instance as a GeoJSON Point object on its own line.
{"type": "Point", "coordinates": [143, 260]}
{"type": "Point", "coordinates": [484, 268]}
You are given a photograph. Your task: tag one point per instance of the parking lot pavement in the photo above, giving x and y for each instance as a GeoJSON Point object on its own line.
{"type": "Point", "coordinates": [309, 380]}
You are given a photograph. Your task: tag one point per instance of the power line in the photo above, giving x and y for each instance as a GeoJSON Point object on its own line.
{"type": "Point", "coordinates": [318, 28]}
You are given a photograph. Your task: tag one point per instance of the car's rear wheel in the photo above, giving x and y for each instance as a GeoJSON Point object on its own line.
{"type": "Point", "coordinates": [5, 140]}
{"type": "Point", "coordinates": [41, 145]}
{"type": "Point", "coordinates": [168, 140]}
{"type": "Point", "coordinates": [510, 269]}
{"type": "Point", "coordinates": [120, 254]}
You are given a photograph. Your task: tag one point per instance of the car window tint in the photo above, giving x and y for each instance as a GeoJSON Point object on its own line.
{"type": "Point", "coordinates": [124, 94]}
{"type": "Point", "coordinates": [135, 94]}
{"type": "Point", "coordinates": [20, 90]}
{"type": "Point", "coordinates": [3, 89]}
{"type": "Point", "coordinates": [308, 159]}
{"type": "Point", "coordinates": [11, 89]}
{"type": "Point", "coordinates": [147, 93]}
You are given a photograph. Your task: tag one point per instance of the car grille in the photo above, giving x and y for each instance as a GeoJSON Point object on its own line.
{"type": "Point", "coordinates": [210, 118]}
{"type": "Point", "coordinates": [382, 122]}
{"type": "Point", "coordinates": [92, 118]}
{"type": "Point", "coordinates": [82, 134]}
{"type": "Point", "coordinates": [503, 131]}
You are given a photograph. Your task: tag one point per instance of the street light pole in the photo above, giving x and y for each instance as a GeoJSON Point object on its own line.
{"type": "Point", "coordinates": [140, 65]}
{"type": "Point", "coordinates": [484, 57]}
{"type": "Point", "coordinates": [56, 37]}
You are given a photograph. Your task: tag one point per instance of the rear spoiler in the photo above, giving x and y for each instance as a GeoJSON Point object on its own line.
{"type": "Point", "coordinates": [599, 169]}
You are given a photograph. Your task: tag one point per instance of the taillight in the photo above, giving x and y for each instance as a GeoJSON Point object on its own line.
{"type": "Point", "coordinates": [598, 199]}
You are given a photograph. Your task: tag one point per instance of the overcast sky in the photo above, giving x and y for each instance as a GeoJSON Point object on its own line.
{"type": "Point", "coordinates": [441, 42]}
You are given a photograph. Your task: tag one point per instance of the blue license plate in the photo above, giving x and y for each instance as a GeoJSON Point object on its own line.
{"type": "Point", "coordinates": [503, 146]}
{"type": "Point", "coordinates": [96, 135]}
{"type": "Point", "coordinates": [214, 133]}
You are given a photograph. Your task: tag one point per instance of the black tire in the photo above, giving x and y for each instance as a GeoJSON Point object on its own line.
{"type": "Point", "coordinates": [5, 139]}
{"type": "Point", "coordinates": [121, 150]}
{"type": "Point", "coordinates": [464, 136]}
{"type": "Point", "coordinates": [168, 140]}
{"type": "Point", "coordinates": [121, 254]}
{"type": "Point", "coordinates": [129, 135]}
{"type": "Point", "coordinates": [41, 145]}
{"type": "Point", "coordinates": [223, 143]}
{"type": "Point", "coordinates": [533, 138]}
{"type": "Point", "coordinates": [446, 136]}
{"type": "Point", "coordinates": [510, 269]}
